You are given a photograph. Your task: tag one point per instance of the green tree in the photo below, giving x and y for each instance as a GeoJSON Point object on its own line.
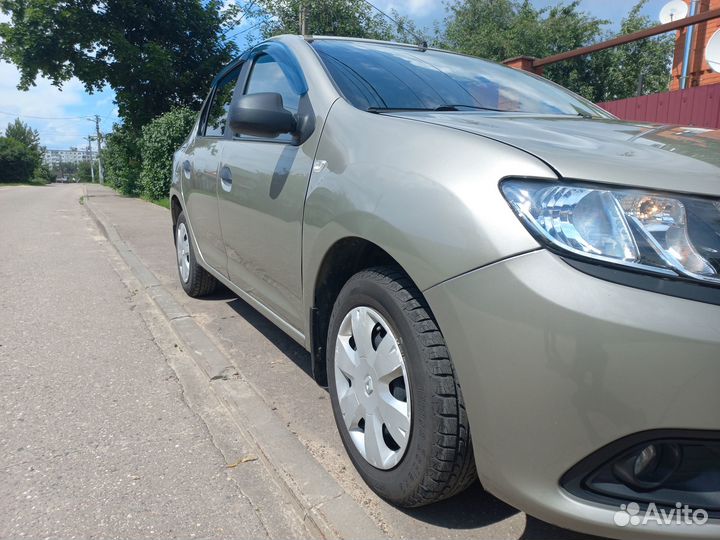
{"type": "Point", "coordinates": [352, 18]}
{"type": "Point", "coordinates": [639, 67]}
{"type": "Point", "coordinates": [20, 131]}
{"type": "Point", "coordinates": [160, 139]}
{"type": "Point", "coordinates": [155, 54]}
{"type": "Point", "coordinates": [121, 160]}
{"type": "Point", "coordinates": [43, 174]}
{"type": "Point", "coordinates": [501, 29]}
{"type": "Point", "coordinates": [84, 172]}
{"type": "Point", "coordinates": [17, 161]}
{"type": "Point", "coordinates": [30, 138]}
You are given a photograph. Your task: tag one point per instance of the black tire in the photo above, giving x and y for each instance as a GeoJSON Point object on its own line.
{"type": "Point", "coordinates": [199, 282]}
{"type": "Point", "coordinates": [438, 461]}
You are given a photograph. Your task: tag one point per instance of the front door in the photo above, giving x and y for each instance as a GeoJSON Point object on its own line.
{"type": "Point", "coordinates": [263, 183]}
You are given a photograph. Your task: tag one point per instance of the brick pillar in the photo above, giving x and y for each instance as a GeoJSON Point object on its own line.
{"type": "Point", "coordinates": [524, 63]}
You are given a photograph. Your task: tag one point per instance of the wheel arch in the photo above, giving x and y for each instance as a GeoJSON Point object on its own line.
{"type": "Point", "coordinates": [343, 259]}
{"type": "Point", "coordinates": [175, 209]}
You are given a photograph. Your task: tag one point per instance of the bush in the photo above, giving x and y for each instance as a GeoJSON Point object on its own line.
{"type": "Point", "coordinates": [121, 160]}
{"type": "Point", "coordinates": [85, 171]}
{"type": "Point", "coordinates": [43, 175]}
{"type": "Point", "coordinates": [17, 161]}
{"type": "Point", "coordinates": [160, 139]}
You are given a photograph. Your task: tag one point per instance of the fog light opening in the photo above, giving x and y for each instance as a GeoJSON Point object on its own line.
{"type": "Point", "coordinates": [649, 467]}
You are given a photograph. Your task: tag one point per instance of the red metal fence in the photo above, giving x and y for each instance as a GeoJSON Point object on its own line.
{"type": "Point", "coordinates": [698, 106]}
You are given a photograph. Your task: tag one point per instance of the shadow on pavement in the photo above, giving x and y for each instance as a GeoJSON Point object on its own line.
{"type": "Point", "coordinates": [297, 354]}
{"type": "Point", "coordinates": [471, 509]}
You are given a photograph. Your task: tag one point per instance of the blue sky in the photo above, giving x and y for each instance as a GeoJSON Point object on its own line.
{"type": "Point", "coordinates": [62, 116]}
{"type": "Point", "coordinates": [426, 11]}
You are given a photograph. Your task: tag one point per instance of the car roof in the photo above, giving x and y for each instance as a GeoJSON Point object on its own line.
{"type": "Point", "coordinates": [312, 38]}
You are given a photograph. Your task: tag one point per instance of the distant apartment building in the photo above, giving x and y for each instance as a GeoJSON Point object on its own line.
{"type": "Point", "coordinates": [53, 158]}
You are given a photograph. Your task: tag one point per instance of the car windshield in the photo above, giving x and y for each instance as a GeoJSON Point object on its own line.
{"type": "Point", "coordinates": [377, 77]}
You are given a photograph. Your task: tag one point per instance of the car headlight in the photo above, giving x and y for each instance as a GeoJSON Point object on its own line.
{"type": "Point", "coordinates": [665, 234]}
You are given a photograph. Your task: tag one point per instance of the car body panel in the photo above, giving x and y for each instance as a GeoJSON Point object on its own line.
{"type": "Point", "coordinates": [425, 200]}
{"type": "Point", "coordinates": [665, 157]}
{"type": "Point", "coordinates": [267, 194]}
{"type": "Point", "coordinates": [553, 369]}
{"type": "Point", "coordinates": [253, 281]}
{"type": "Point", "coordinates": [199, 190]}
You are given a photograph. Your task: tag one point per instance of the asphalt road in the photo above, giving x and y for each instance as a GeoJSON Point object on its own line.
{"type": "Point", "coordinates": [96, 436]}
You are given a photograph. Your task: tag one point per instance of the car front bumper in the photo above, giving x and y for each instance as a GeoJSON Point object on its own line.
{"type": "Point", "coordinates": [555, 364]}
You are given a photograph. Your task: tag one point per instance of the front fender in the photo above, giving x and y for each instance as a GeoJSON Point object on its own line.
{"type": "Point", "coordinates": [426, 194]}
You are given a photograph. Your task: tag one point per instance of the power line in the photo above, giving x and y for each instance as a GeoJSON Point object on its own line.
{"type": "Point", "coordinates": [421, 39]}
{"type": "Point", "coordinates": [17, 115]}
{"type": "Point", "coordinates": [245, 30]}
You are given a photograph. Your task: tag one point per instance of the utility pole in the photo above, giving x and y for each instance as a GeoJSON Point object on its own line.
{"type": "Point", "coordinates": [90, 139]}
{"type": "Point", "coordinates": [101, 174]}
{"type": "Point", "coordinates": [304, 15]}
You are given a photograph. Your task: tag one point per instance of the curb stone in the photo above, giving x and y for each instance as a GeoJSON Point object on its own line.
{"type": "Point", "coordinates": [321, 502]}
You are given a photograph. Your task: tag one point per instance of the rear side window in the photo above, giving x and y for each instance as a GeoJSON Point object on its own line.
{"type": "Point", "coordinates": [217, 114]}
{"type": "Point", "coordinates": [268, 76]}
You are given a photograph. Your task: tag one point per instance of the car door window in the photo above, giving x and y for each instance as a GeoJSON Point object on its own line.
{"type": "Point", "coordinates": [217, 114]}
{"type": "Point", "coordinates": [267, 76]}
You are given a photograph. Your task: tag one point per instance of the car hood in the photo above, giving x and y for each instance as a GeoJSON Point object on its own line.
{"type": "Point", "coordinates": [604, 150]}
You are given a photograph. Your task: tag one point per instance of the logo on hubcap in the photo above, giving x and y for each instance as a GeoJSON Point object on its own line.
{"type": "Point", "coordinates": [368, 385]}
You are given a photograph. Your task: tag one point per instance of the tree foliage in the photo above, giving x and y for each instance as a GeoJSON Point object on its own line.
{"type": "Point", "coordinates": [501, 29]}
{"type": "Point", "coordinates": [65, 169]}
{"type": "Point", "coordinates": [20, 131]}
{"type": "Point", "coordinates": [639, 67]}
{"type": "Point", "coordinates": [44, 175]}
{"type": "Point", "coordinates": [121, 160]}
{"type": "Point", "coordinates": [84, 172]}
{"type": "Point", "coordinates": [160, 139]}
{"type": "Point", "coordinates": [155, 54]}
{"type": "Point", "coordinates": [29, 138]}
{"type": "Point", "coordinates": [17, 161]}
{"type": "Point", "coordinates": [351, 18]}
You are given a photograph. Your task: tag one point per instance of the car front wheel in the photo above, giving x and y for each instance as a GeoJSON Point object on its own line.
{"type": "Point", "coordinates": [395, 397]}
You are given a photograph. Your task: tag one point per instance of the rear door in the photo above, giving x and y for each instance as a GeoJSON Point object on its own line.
{"type": "Point", "coordinates": [262, 194]}
{"type": "Point", "coordinates": [200, 191]}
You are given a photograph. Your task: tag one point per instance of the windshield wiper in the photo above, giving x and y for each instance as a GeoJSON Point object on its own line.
{"type": "Point", "coordinates": [455, 107]}
{"type": "Point", "coordinates": [439, 108]}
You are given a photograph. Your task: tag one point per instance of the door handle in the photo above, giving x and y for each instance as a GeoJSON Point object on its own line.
{"type": "Point", "coordinates": [226, 178]}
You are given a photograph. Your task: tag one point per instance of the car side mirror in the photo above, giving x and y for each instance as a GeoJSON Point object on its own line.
{"type": "Point", "coordinates": [261, 115]}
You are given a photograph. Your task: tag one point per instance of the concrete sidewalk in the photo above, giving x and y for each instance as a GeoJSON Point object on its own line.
{"type": "Point", "coordinates": [276, 369]}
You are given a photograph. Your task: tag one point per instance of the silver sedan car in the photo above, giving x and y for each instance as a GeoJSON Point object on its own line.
{"type": "Point", "coordinates": [493, 276]}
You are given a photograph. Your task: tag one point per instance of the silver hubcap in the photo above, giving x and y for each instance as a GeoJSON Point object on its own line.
{"type": "Point", "coordinates": [372, 387]}
{"type": "Point", "coordinates": [182, 244]}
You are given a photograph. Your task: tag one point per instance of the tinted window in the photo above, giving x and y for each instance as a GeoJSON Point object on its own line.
{"type": "Point", "coordinates": [268, 76]}
{"type": "Point", "coordinates": [384, 76]}
{"type": "Point", "coordinates": [217, 114]}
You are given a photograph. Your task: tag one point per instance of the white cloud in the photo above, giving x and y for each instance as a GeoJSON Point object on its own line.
{"type": "Point", "coordinates": [59, 114]}
{"type": "Point", "coordinates": [43, 100]}
{"type": "Point", "coordinates": [411, 7]}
